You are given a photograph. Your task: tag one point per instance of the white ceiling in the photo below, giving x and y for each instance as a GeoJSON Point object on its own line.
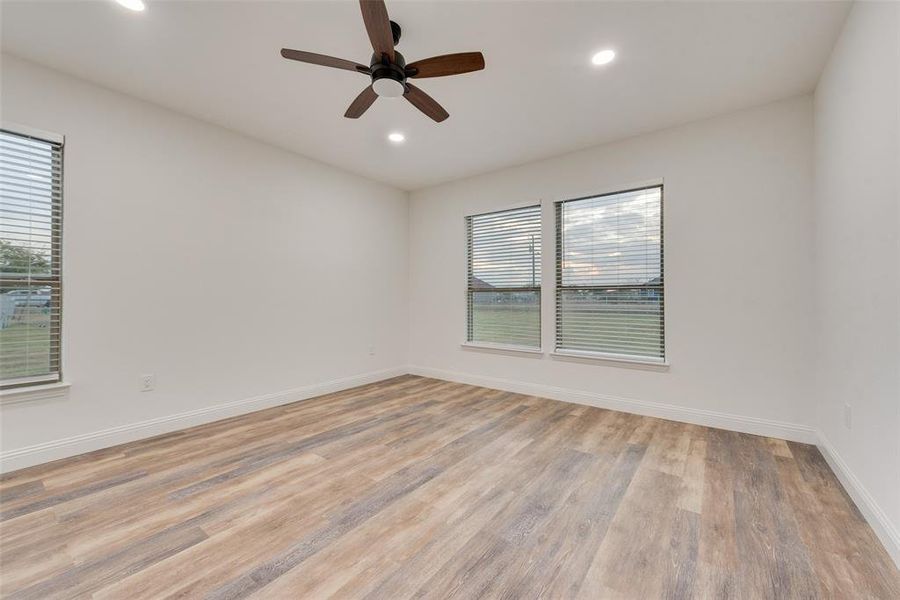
{"type": "Point", "coordinates": [539, 95]}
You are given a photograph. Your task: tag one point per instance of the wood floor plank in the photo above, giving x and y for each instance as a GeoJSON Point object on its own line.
{"type": "Point", "coordinates": [635, 551]}
{"type": "Point", "coordinates": [420, 488]}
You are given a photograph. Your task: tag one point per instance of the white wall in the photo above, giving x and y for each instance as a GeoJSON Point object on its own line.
{"type": "Point", "coordinates": [738, 247]}
{"type": "Point", "coordinates": [857, 193]}
{"type": "Point", "coordinates": [227, 268]}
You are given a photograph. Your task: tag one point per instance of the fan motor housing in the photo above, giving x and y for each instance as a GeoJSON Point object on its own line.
{"type": "Point", "coordinates": [388, 78]}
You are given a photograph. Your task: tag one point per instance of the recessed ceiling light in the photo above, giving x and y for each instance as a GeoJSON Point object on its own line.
{"type": "Point", "coordinates": [135, 5]}
{"type": "Point", "coordinates": [396, 137]}
{"type": "Point", "coordinates": [603, 57]}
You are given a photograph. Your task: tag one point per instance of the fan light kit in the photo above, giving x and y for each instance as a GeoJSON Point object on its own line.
{"type": "Point", "coordinates": [603, 57]}
{"type": "Point", "coordinates": [387, 67]}
{"type": "Point", "coordinates": [388, 88]}
{"type": "Point", "coordinates": [396, 137]}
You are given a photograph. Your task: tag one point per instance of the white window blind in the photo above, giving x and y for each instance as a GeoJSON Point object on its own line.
{"type": "Point", "coordinates": [609, 275]}
{"type": "Point", "coordinates": [504, 277]}
{"type": "Point", "coordinates": [30, 255]}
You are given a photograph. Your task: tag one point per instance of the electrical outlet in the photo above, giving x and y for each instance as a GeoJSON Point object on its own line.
{"type": "Point", "coordinates": [371, 349]}
{"type": "Point", "coordinates": [147, 382]}
{"type": "Point", "coordinates": [848, 416]}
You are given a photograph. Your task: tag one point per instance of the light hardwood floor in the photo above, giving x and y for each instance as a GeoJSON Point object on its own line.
{"type": "Point", "coordinates": [414, 487]}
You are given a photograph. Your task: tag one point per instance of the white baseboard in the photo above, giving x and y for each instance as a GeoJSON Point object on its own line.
{"type": "Point", "coordinates": [877, 518]}
{"type": "Point", "coordinates": [20, 458]}
{"type": "Point", "coordinates": [697, 416]}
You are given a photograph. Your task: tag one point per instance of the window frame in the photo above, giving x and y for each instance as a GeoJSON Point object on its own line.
{"type": "Point", "coordinates": [558, 286]}
{"type": "Point", "coordinates": [469, 290]}
{"type": "Point", "coordinates": [40, 387]}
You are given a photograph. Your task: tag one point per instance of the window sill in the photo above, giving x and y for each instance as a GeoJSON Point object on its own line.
{"type": "Point", "coordinates": [34, 392]}
{"type": "Point", "coordinates": [613, 359]}
{"type": "Point", "coordinates": [501, 348]}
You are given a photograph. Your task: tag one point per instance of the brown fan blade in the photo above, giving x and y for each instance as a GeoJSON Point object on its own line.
{"type": "Point", "coordinates": [447, 64]}
{"type": "Point", "coordinates": [425, 103]}
{"type": "Point", "coordinates": [361, 104]}
{"type": "Point", "coordinates": [325, 61]}
{"type": "Point", "coordinates": [378, 26]}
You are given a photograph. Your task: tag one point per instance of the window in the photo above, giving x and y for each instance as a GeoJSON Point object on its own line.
{"type": "Point", "coordinates": [504, 289]}
{"type": "Point", "coordinates": [609, 275]}
{"type": "Point", "coordinates": [30, 249]}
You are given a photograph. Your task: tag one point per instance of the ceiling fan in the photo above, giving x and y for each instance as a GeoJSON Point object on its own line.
{"type": "Point", "coordinates": [388, 69]}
